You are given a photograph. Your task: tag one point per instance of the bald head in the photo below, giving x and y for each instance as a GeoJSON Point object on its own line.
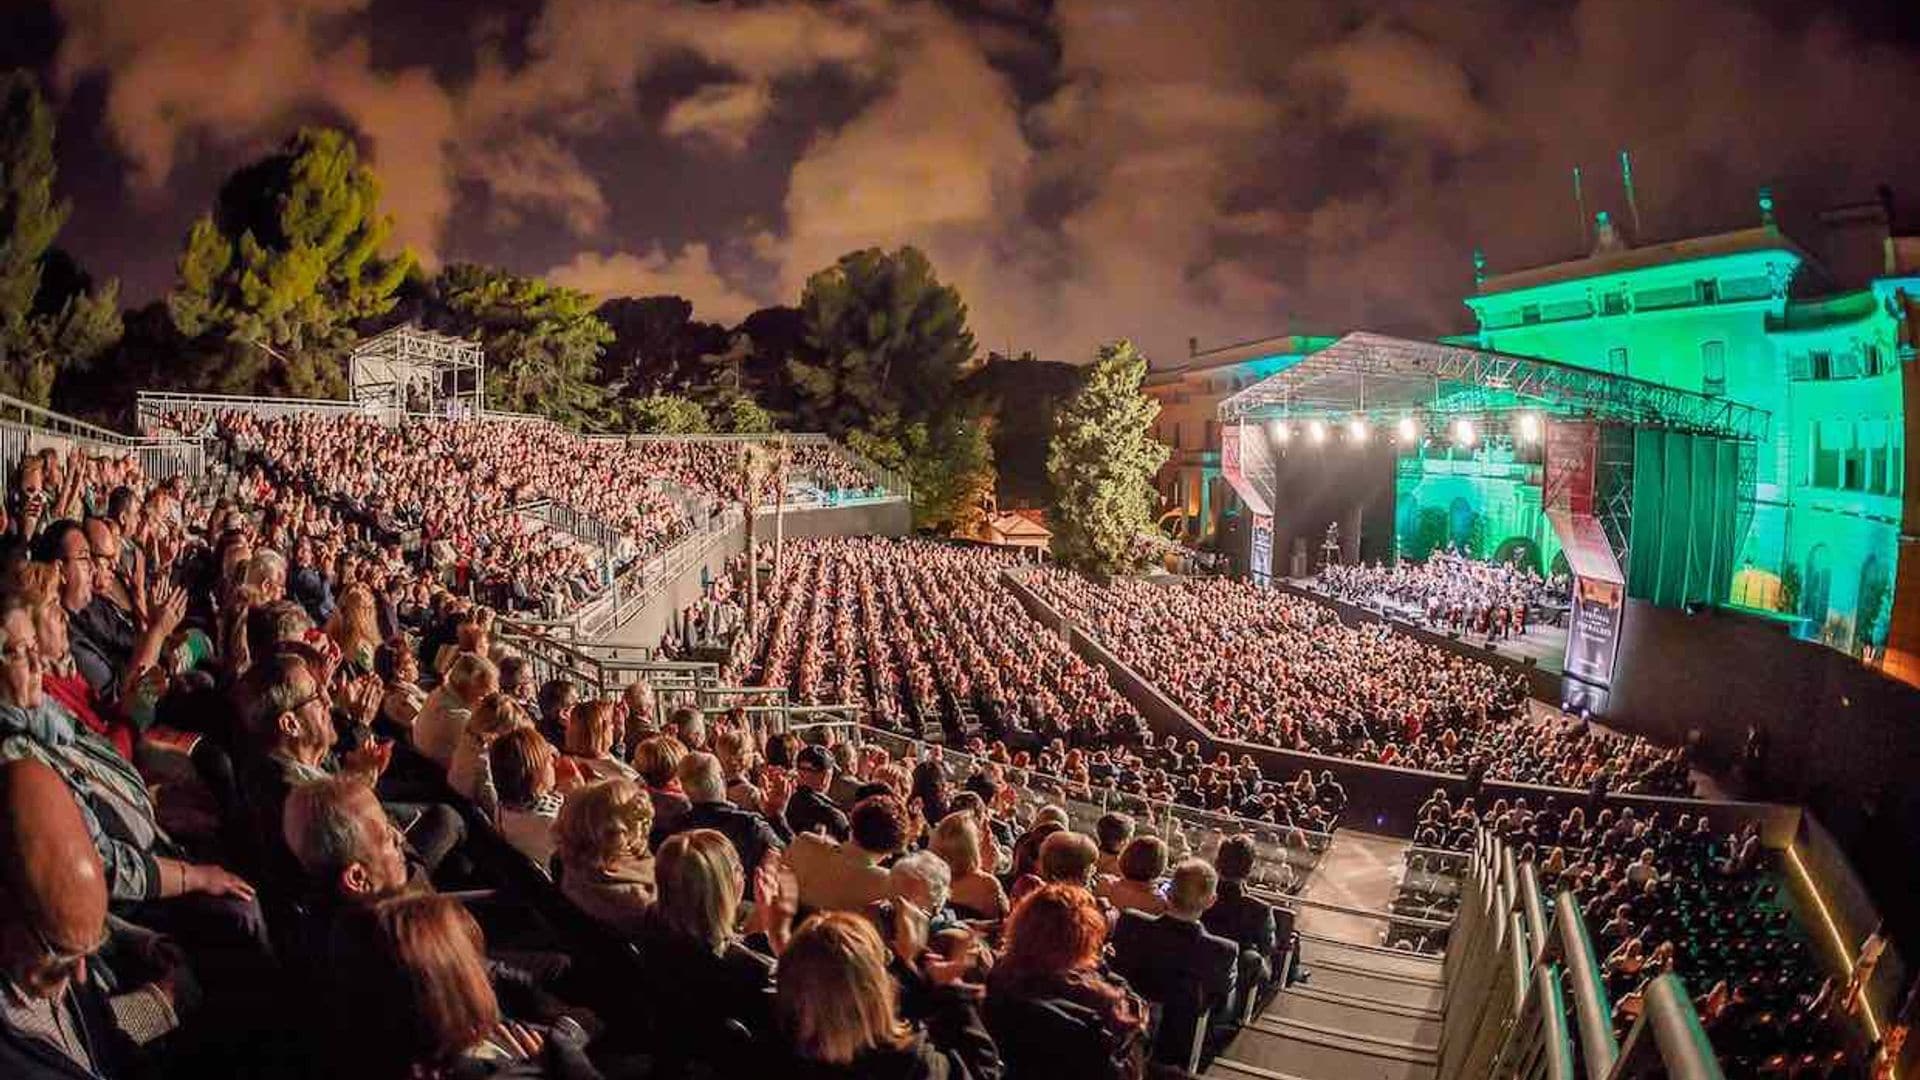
{"type": "Point", "coordinates": [54, 905]}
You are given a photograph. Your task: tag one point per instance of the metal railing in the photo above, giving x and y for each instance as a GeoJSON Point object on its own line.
{"type": "Point", "coordinates": [26, 428]}
{"type": "Point", "coordinates": [1513, 978]}
{"type": "Point", "coordinates": [151, 407]}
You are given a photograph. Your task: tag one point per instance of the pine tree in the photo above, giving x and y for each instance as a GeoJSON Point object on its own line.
{"type": "Point", "coordinates": [543, 341]}
{"type": "Point", "coordinates": [664, 414]}
{"type": "Point", "coordinates": [51, 323]}
{"type": "Point", "coordinates": [1101, 461]}
{"type": "Point", "coordinates": [290, 264]}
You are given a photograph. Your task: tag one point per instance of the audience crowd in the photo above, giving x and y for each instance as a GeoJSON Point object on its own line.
{"type": "Point", "coordinates": [1450, 591]}
{"type": "Point", "coordinates": [1284, 671]}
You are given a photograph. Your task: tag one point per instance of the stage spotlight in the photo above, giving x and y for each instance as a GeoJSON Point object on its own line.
{"type": "Point", "coordinates": [1317, 431]}
{"type": "Point", "coordinates": [1357, 429]}
{"type": "Point", "coordinates": [1281, 432]}
{"type": "Point", "coordinates": [1529, 427]}
{"type": "Point", "coordinates": [1463, 432]}
{"type": "Point", "coordinates": [1408, 430]}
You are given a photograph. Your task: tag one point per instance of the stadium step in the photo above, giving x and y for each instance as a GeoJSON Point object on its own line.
{"type": "Point", "coordinates": [1364, 1017]}
{"type": "Point", "coordinates": [1394, 965]}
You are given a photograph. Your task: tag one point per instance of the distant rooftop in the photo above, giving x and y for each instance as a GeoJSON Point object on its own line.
{"type": "Point", "coordinates": [1618, 260]}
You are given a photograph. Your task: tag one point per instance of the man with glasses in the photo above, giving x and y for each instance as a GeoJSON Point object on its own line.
{"type": "Point", "coordinates": [55, 1021]}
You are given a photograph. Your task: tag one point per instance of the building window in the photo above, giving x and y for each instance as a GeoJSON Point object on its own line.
{"type": "Point", "coordinates": [1713, 367]}
{"type": "Point", "coordinates": [1529, 314]}
{"type": "Point", "coordinates": [1213, 435]}
{"type": "Point", "coordinates": [1707, 291]}
{"type": "Point", "coordinates": [1176, 435]}
{"type": "Point", "coordinates": [1821, 362]}
{"type": "Point", "coordinates": [1831, 440]}
{"type": "Point", "coordinates": [1870, 360]}
{"type": "Point", "coordinates": [1613, 303]}
{"type": "Point", "coordinates": [1617, 361]}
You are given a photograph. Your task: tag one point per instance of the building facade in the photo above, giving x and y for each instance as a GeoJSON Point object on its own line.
{"type": "Point", "coordinates": [1194, 495]}
{"type": "Point", "coordinates": [1752, 316]}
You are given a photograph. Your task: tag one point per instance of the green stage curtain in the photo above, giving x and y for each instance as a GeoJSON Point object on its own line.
{"type": "Point", "coordinates": [1684, 489]}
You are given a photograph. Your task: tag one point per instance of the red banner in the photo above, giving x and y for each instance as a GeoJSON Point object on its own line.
{"type": "Point", "coordinates": [1573, 451]}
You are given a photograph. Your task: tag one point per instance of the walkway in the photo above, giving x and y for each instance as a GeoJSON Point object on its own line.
{"type": "Point", "coordinates": [1359, 870]}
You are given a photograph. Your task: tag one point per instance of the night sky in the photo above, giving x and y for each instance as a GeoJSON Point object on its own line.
{"type": "Point", "coordinates": [1082, 169]}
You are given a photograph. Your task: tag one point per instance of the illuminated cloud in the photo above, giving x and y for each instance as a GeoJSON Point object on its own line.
{"type": "Point", "coordinates": [690, 274]}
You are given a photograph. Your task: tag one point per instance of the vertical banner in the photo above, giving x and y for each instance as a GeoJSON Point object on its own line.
{"type": "Point", "coordinates": [1593, 635]}
{"type": "Point", "coordinates": [1573, 451]}
{"type": "Point", "coordinates": [1261, 561]}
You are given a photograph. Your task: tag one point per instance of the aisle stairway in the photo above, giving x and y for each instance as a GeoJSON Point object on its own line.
{"type": "Point", "coordinates": [1365, 1013]}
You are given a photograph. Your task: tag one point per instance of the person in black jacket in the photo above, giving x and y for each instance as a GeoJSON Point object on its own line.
{"type": "Point", "coordinates": [754, 836]}
{"type": "Point", "coordinates": [1172, 960]}
{"type": "Point", "coordinates": [810, 810]}
{"type": "Point", "coordinates": [1262, 931]}
{"type": "Point", "coordinates": [55, 1022]}
{"type": "Point", "coordinates": [839, 1011]}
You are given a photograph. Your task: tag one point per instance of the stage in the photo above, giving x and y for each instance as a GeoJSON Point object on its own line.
{"type": "Point", "coordinates": [1544, 644]}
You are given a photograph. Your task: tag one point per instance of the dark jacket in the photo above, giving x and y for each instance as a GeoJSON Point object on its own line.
{"type": "Point", "coordinates": [696, 993]}
{"type": "Point", "coordinates": [1249, 922]}
{"type": "Point", "coordinates": [24, 1057]}
{"type": "Point", "coordinates": [809, 811]}
{"type": "Point", "coordinates": [1179, 966]}
{"type": "Point", "coordinates": [753, 836]}
{"type": "Point", "coordinates": [954, 1046]}
{"type": "Point", "coordinates": [101, 638]}
{"type": "Point", "coordinates": [1080, 1026]}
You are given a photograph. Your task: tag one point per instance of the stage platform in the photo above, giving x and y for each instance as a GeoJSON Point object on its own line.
{"type": "Point", "coordinates": [1543, 644]}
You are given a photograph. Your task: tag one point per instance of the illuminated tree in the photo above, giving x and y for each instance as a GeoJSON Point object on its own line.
{"type": "Point", "coordinates": [1101, 461]}
{"type": "Point", "coordinates": [543, 341]}
{"type": "Point", "coordinates": [52, 319]}
{"type": "Point", "coordinates": [664, 414]}
{"type": "Point", "coordinates": [289, 262]}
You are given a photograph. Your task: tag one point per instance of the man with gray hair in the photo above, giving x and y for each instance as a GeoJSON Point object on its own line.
{"type": "Point", "coordinates": [1174, 962]}
{"type": "Point", "coordinates": [754, 835]}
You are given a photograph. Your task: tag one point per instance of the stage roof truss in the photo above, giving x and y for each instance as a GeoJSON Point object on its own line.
{"type": "Point", "coordinates": [1373, 375]}
{"type": "Point", "coordinates": [444, 369]}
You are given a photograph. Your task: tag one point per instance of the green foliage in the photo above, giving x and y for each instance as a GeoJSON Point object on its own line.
{"type": "Point", "coordinates": [657, 345]}
{"type": "Point", "coordinates": [1022, 396]}
{"type": "Point", "coordinates": [1102, 462]}
{"type": "Point", "coordinates": [52, 320]}
{"type": "Point", "coordinates": [664, 414]}
{"type": "Point", "coordinates": [744, 416]}
{"type": "Point", "coordinates": [950, 463]}
{"type": "Point", "coordinates": [887, 340]}
{"type": "Point", "coordinates": [543, 341]}
{"type": "Point", "coordinates": [289, 263]}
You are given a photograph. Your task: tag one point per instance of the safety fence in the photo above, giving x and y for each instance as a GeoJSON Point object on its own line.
{"type": "Point", "coordinates": [28, 428]}
{"type": "Point", "coordinates": [1514, 979]}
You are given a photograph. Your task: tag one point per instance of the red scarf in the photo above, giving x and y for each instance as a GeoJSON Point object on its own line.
{"type": "Point", "coordinates": [74, 695]}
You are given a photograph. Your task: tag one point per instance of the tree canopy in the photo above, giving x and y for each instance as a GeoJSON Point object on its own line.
{"type": "Point", "coordinates": [52, 319]}
{"type": "Point", "coordinates": [888, 340]}
{"type": "Point", "coordinates": [657, 344]}
{"type": "Point", "coordinates": [543, 341]}
{"type": "Point", "coordinates": [1101, 461]}
{"type": "Point", "coordinates": [290, 262]}
{"type": "Point", "coordinates": [664, 414]}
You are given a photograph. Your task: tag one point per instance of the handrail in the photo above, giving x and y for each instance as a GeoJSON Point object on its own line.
{"type": "Point", "coordinates": [1592, 1015]}
{"type": "Point", "coordinates": [1558, 1049]}
{"type": "Point", "coordinates": [1536, 918]}
{"type": "Point", "coordinates": [1668, 1034]}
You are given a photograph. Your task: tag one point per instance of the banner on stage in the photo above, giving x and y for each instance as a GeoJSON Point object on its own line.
{"type": "Point", "coordinates": [1573, 451]}
{"type": "Point", "coordinates": [1593, 634]}
{"type": "Point", "coordinates": [1262, 554]}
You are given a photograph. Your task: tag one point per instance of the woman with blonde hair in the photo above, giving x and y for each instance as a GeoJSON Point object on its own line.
{"type": "Point", "coordinates": [975, 894]}
{"type": "Point", "coordinates": [355, 628]}
{"type": "Point", "coordinates": [606, 869]}
{"type": "Point", "coordinates": [469, 773]}
{"type": "Point", "coordinates": [592, 729]}
{"type": "Point", "coordinates": [839, 1009]}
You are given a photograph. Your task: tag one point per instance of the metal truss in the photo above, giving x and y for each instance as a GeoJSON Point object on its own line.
{"type": "Point", "coordinates": [449, 368]}
{"type": "Point", "coordinates": [1373, 375]}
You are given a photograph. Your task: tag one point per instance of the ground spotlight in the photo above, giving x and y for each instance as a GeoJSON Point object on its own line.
{"type": "Point", "coordinates": [1463, 432]}
{"type": "Point", "coordinates": [1407, 429]}
{"type": "Point", "coordinates": [1317, 431]}
{"type": "Point", "coordinates": [1529, 427]}
{"type": "Point", "coordinates": [1357, 429]}
{"type": "Point", "coordinates": [1281, 432]}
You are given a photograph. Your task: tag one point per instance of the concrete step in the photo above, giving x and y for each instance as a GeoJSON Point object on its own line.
{"type": "Point", "coordinates": [1359, 1041]}
{"type": "Point", "coordinates": [1344, 979]}
{"type": "Point", "coordinates": [1395, 1025]}
{"type": "Point", "coordinates": [1261, 1053]}
{"type": "Point", "coordinates": [1387, 963]}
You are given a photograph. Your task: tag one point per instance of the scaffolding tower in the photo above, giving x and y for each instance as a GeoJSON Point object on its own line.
{"type": "Point", "coordinates": [409, 371]}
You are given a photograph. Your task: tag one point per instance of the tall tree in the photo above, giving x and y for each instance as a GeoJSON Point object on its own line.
{"type": "Point", "coordinates": [291, 261]}
{"type": "Point", "coordinates": [663, 414]}
{"type": "Point", "coordinates": [890, 342]}
{"type": "Point", "coordinates": [543, 341]}
{"type": "Point", "coordinates": [1023, 395]}
{"type": "Point", "coordinates": [52, 319]}
{"type": "Point", "coordinates": [1102, 462]}
{"type": "Point", "coordinates": [657, 345]}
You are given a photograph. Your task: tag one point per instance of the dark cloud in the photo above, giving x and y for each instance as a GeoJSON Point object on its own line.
{"type": "Point", "coordinates": [1083, 169]}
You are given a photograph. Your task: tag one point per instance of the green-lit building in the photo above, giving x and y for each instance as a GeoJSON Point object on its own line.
{"type": "Point", "coordinates": [1824, 345]}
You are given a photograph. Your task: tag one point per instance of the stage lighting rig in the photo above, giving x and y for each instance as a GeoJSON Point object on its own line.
{"type": "Point", "coordinates": [1463, 432]}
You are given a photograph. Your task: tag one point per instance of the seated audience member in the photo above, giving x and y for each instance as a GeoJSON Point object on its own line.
{"type": "Point", "coordinates": [399, 672]}
{"type": "Point", "coordinates": [657, 760]}
{"type": "Point", "coordinates": [922, 879]}
{"type": "Point", "coordinates": [1052, 1008]}
{"type": "Point", "coordinates": [523, 775]}
{"type": "Point", "coordinates": [848, 876]}
{"type": "Point", "coordinates": [1068, 858]}
{"type": "Point", "coordinates": [752, 835]}
{"type": "Point", "coordinates": [1261, 930]}
{"type": "Point", "coordinates": [606, 869]}
{"type": "Point", "coordinates": [689, 726]}
{"type": "Point", "coordinates": [975, 894]}
{"type": "Point", "coordinates": [416, 969]}
{"type": "Point", "coordinates": [56, 1022]}
{"type": "Point", "coordinates": [731, 746]}
{"type": "Point", "coordinates": [592, 730]}
{"type": "Point", "coordinates": [557, 700]}
{"type": "Point", "coordinates": [470, 773]}
{"type": "Point", "coordinates": [1138, 887]}
{"type": "Point", "coordinates": [1172, 959]}
{"type": "Point", "coordinates": [703, 971]}
{"type": "Point", "coordinates": [1113, 830]}
{"type": "Point", "coordinates": [436, 731]}
{"type": "Point", "coordinates": [810, 810]}
{"type": "Point", "coordinates": [839, 1010]}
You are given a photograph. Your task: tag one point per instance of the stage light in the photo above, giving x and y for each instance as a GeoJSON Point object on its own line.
{"type": "Point", "coordinates": [1407, 429]}
{"type": "Point", "coordinates": [1463, 432]}
{"type": "Point", "coordinates": [1357, 429]}
{"type": "Point", "coordinates": [1317, 431]}
{"type": "Point", "coordinates": [1281, 432]}
{"type": "Point", "coordinates": [1529, 427]}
